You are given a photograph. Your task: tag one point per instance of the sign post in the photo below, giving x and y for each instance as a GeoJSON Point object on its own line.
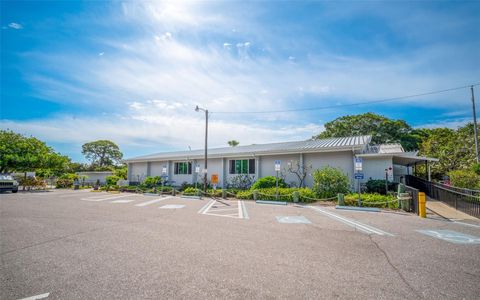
{"type": "Point", "coordinates": [164, 176]}
{"type": "Point", "coordinates": [197, 170]}
{"type": "Point", "coordinates": [277, 169]}
{"type": "Point", "coordinates": [358, 161]}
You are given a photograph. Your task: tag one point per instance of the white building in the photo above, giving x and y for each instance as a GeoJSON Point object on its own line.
{"type": "Point", "coordinates": [258, 160]}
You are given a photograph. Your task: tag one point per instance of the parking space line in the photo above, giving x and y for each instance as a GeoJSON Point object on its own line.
{"type": "Point", "coordinates": [466, 224]}
{"type": "Point", "coordinates": [206, 207]}
{"type": "Point", "coordinates": [122, 201]}
{"type": "Point", "coordinates": [245, 213]}
{"type": "Point", "coordinates": [235, 216]}
{"type": "Point", "coordinates": [152, 201]}
{"type": "Point", "coordinates": [71, 194]}
{"type": "Point", "coordinates": [240, 210]}
{"type": "Point", "coordinates": [41, 296]}
{"type": "Point", "coordinates": [96, 199]}
{"type": "Point", "coordinates": [355, 224]}
{"type": "Point", "coordinates": [222, 209]}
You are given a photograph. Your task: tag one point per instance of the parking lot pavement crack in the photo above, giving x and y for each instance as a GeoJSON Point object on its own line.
{"type": "Point", "coordinates": [404, 280]}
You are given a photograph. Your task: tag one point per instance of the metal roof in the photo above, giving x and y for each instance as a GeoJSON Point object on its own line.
{"type": "Point", "coordinates": [384, 148]}
{"type": "Point", "coordinates": [323, 145]}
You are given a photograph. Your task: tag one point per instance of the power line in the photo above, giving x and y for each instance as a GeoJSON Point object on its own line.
{"type": "Point", "coordinates": [347, 105]}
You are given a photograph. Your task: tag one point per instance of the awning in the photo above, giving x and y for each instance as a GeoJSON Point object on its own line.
{"type": "Point", "coordinates": [406, 160]}
{"type": "Point", "coordinates": [403, 159]}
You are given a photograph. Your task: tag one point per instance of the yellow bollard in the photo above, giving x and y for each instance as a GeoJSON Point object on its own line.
{"type": "Point", "coordinates": [422, 205]}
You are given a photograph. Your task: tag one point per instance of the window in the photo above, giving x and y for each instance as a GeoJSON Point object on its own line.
{"type": "Point", "coordinates": [242, 166]}
{"type": "Point", "coordinates": [183, 168]}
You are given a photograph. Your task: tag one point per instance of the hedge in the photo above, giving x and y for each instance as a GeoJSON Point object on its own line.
{"type": "Point", "coordinates": [371, 200]}
{"type": "Point", "coordinates": [284, 194]}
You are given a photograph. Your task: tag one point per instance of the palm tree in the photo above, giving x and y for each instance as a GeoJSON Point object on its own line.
{"type": "Point", "coordinates": [233, 143]}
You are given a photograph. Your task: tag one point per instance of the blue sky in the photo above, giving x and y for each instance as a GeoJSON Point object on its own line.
{"type": "Point", "coordinates": [132, 72]}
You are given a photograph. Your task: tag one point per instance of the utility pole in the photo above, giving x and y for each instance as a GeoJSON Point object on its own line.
{"type": "Point", "coordinates": [475, 129]}
{"type": "Point", "coordinates": [197, 109]}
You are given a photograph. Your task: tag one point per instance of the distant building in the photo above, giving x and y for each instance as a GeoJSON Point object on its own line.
{"type": "Point", "coordinates": [93, 176]}
{"type": "Point", "coordinates": [258, 160]}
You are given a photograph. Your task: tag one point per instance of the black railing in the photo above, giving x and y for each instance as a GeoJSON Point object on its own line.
{"type": "Point", "coordinates": [467, 201]}
{"type": "Point", "coordinates": [414, 200]}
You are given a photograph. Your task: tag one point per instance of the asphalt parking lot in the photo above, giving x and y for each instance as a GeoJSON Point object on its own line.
{"type": "Point", "coordinates": [84, 245]}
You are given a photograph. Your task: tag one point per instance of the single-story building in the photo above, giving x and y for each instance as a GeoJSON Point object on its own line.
{"type": "Point", "coordinates": [258, 160]}
{"type": "Point", "coordinates": [91, 177]}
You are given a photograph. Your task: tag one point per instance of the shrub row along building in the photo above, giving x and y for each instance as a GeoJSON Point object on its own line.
{"type": "Point", "coordinates": [258, 160]}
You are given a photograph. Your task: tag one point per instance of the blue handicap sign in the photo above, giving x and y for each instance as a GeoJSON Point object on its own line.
{"type": "Point", "coordinates": [452, 236]}
{"type": "Point", "coordinates": [359, 176]}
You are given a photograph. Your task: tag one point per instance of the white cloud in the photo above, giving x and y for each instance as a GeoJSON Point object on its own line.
{"type": "Point", "coordinates": [101, 53]}
{"type": "Point", "coordinates": [159, 76]}
{"type": "Point", "coordinates": [15, 25]}
{"type": "Point", "coordinates": [156, 128]}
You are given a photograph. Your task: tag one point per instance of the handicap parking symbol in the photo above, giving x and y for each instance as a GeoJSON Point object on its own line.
{"type": "Point", "coordinates": [452, 236]}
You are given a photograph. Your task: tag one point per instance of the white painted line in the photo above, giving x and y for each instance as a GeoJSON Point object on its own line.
{"type": "Point", "coordinates": [122, 201]}
{"type": "Point", "coordinates": [240, 211]}
{"type": "Point", "coordinates": [152, 201]}
{"type": "Point", "coordinates": [235, 216]}
{"type": "Point", "coordinates": [245, 213]}
{"type": "Point", "coordinates": [206, 206]}
{"type": "Point", "coordinates": [172, 206]}
{"type": "Point", "coordinates": [466, 224]}
{"type": "Point", "coordinates": [222, 209]}
{"type": "Point", "coordinates": [103, 199]}
{"type": "Point", "coordinates": [355, 224]}
{"type": "Point", "coordinates": [41, 296]}
{"type": "Point", "coordinates": [72, 194]}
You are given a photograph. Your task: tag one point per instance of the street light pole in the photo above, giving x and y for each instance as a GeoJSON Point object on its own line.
{"type": "Point", "coordinates": [475, 130]}
{"type": "Point", "coordinates": [206, 146]}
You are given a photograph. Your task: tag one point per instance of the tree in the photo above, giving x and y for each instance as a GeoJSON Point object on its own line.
{"type": "Point", "coordinates": [299, 170]}
{"type": "Point", "coordinates": [20, 153]}
{"type": "Point", "coordinates": [102, 153]}
{"type": "Point", "coordinates": [233, 143]}
{"type": "Point", "coordinates": [329, 181]}
{"type": "Point", "coordinates": [455, 149]}
{"type": "Point", "coordinates": [382, 129]}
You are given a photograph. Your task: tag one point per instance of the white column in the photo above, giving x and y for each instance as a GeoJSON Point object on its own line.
{"type": "Point", "coordinates": [258, 173]}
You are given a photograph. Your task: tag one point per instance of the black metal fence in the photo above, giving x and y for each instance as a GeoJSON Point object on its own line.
{"type": "Point", "coordinates": [467, 201]}
{"type": "Point", "coordinates": [414, 201]}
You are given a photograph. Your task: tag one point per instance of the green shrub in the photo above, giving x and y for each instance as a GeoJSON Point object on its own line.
{"type": "Point", "coordinates": [150, 181]}
{"type": "Point", "coordinates": [284, 194]}
{"type": "Point", "coordinates": [240, 181]}
{"type": "Point", "coordinates": [378, 186]}
{"type": "Point", "coordinates": [186, 185]}
{"type": "Point", "coordinates": [464, 179]}
{"type": "Point", "coordinates": [63, 183]}
{"type": "Point", "coordinates": [246, 195]}
{"type": "Point", "coordinates": [121, 172]}
{"type": "Point", "coordinates": [112, 180]}
{"type": "Point", "coordinates": [328, 182]}
{"type": "Point", "coordinates": [191, 191]}
{"type": "Point", "coordinates": [32, 183]}
{"type": "Point", "coordinates": [268, 182]}
{"type": "Point", "coordinates": [476, 168]}
{"type": "Point", "coordinates": [371, 200]}
{"type": "Point", "coordinates": [70, 176]}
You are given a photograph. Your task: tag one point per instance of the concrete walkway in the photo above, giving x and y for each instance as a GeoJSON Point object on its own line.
{"type": "Point", "coordinates": [446, 211]}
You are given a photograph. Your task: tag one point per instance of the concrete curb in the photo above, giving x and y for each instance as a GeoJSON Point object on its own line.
{"type": "Point", "coordinates": [271, 202]}
{"type": "Point", "coordinates": [369, 209]}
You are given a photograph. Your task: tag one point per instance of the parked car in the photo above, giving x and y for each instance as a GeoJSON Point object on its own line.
{"type": "Point", "coordinates": [7, 183]}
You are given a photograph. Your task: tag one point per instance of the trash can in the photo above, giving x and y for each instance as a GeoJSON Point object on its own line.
{"type": "Point", "coordinates": [341, 199]}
